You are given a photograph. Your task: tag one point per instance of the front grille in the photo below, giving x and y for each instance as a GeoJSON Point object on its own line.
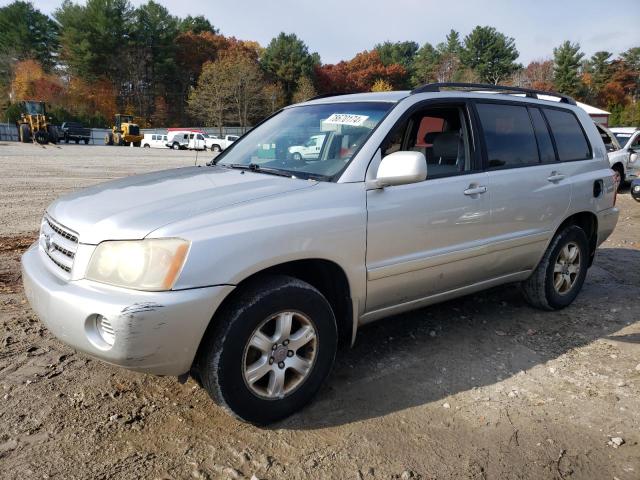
{"type": "Point", "coordinates": [59, 243]}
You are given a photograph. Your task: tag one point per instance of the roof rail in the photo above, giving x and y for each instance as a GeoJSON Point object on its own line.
{"type": "Point", "coordinates": [325, 95]}
{"type": "Point", "coordinates": [529, 92]}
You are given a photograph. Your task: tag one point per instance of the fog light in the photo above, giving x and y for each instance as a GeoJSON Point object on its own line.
{"type": "Point", "coordinates": [105, 330]}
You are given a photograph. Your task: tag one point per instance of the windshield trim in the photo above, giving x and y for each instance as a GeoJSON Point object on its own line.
{"type": "Point", "coordinates": [329, 178]}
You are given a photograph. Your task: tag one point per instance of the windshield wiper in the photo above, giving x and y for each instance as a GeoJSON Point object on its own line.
{"type": "Point", "coordinates": [254, 167]}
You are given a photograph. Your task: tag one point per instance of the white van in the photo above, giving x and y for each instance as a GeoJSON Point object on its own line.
{"type": "Point", "coordinates": [154, 140]}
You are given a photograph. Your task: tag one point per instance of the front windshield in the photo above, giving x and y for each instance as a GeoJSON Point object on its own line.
{"type": "Point", "coordinates": [310, 141]}
{"type": "Point", "coordinates": [622, 138]}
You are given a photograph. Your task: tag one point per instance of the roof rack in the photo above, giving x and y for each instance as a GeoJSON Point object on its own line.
{"type": "Point", "coordinates": [325, 95]}
{"type": "Point", "coordinates": [529, 92]}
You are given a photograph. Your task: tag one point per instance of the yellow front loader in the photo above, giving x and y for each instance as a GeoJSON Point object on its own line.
{"type": "Point", "coordinates": [124, 132]}
{"type": "Point", "coordinates": [34, 125]}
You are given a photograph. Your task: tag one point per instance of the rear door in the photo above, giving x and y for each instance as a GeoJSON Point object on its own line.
{"type": "Point", "coordinates": [530, 189]}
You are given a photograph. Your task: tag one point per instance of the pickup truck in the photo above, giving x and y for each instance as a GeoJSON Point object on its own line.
{"type": "Point", "coordinates": [218, 144]}
{"type": "Point", "coordinates": [75, 131]}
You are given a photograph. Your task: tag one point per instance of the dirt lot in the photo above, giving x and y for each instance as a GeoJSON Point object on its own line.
{"type": "Point", "coordinates": [483, 387]}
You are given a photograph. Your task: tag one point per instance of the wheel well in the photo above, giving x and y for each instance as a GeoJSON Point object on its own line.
{"type": "Point", "coordinates": [326, 276]}
{"type": "Point", "coordinates": [618, 166]}
{"type": "Point", "coordinates": [589, 223]}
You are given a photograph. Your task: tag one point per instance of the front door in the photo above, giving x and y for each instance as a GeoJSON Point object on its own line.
{"type": "Point", "coordinates": [428, 237]}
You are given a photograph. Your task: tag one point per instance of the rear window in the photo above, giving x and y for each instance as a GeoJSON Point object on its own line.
{"type": "Point", "coordinates": [570, 139]}
{"type": "Point", "coordinates": [508, 134]}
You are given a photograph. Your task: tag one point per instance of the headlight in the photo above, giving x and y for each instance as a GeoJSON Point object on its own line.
{"type": "Point", "coordinates": [152, 264]}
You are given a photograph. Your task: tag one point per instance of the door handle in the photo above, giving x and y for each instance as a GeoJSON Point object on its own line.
{"type": "Point", "coordinates": [555, 177]}
{"type": "Point", "coordinates": [475, 190]}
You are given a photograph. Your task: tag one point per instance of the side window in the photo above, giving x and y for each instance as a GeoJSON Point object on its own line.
{"type": "Point", "coordinates": [440, 133]}
{"type": "Point", "coordinates": [545, 145]}
{"type": "Point", "coordinates": [635, 145]}
{"type": "Point", "coordinates": [508, 135]}
{"type": "Point", "coordinates": [570, 140]}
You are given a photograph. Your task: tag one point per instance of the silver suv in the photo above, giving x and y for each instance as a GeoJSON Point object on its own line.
{"type": "Point", "coordinates": [249, 272]}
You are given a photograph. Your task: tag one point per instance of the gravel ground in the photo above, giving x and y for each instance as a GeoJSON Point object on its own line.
{"type": "Point", "coordinates": [483, 387]}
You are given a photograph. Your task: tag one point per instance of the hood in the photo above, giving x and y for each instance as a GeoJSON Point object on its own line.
{"type": "Point", "coordinates": [132, 207]}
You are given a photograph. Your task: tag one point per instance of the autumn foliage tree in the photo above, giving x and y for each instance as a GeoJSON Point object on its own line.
{"type": "Point", "coordinates": [358, 74]}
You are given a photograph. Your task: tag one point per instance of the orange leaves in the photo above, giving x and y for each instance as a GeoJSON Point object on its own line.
{"type": "Point", "coordinates": [358, 74]}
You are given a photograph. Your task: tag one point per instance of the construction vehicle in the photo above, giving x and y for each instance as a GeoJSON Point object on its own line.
{"type": "Point", "coordinates": [33, 124]}
{"type": "Point", "coordinates": [124, 132]}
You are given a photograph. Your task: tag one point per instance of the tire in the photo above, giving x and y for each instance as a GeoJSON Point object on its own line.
{"type": "Point", "coordinates": [540, 290]}
{"type": "Point", "coordinates": [296, 156]}
{"type": "Point", "coordinates": [146, 145]}
{"type": "Point", "coordinates": [108, 139]}
{"type": "Point", "coordinates": [53, 134]}
{"type": "Point", "coordinates": [25, 133]}
{"type": "Point", "coordinates": [618, 175]}
{"type": "Point", "coordinates": [86, 141]}
{"type": "Point", "coordinates": [225, 351]}
{"type": "Point", "coordinates": [66, 139]}
{"type": "Point", "coordinates": [216, 148]}
{"type": "Point", "coordinates": [77, 140]}
{"type": "Point", "coordinates": [175, 146]}
{"type": "Point", "coordinates": [136, 144]}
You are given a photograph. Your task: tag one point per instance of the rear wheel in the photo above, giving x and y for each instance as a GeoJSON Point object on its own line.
{"type": "Point", "coordinates": [296, 156]}
{"type": "Point", "coordinates": [136, 144]}
{"type": "Point", "coordinates": [269, 350]}
{"type": "Point", "coordinates": [560, 275]}
{"type": "Point", "coordinates": [86, 141]}
{"type": "Point", "coordinates": [77, 140]}
{"type": "Point", "coordinates": [53, 133]}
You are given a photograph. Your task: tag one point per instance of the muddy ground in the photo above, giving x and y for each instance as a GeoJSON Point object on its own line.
{"type": "Point", "coordinates": [483, 387]}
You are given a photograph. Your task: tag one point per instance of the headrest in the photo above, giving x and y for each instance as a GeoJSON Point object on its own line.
{"type": "Point", "coordinates": [445, 145]}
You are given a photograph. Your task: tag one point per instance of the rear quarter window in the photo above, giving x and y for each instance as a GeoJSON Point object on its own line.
{"type": "Point", "coordinates": [571, 141]}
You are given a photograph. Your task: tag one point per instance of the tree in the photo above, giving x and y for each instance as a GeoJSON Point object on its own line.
{"type": "Point", "coordinates": [452, 44]}
{"type": "Point", "coordinates": [95, 37]}
{"type": "Point", "coordinates": [231, 88]}
{"type": "Point", "coordinates": [381, 85]}
{"type": "Point", "coordinates": [208, 101]}
{"type": "Point", "coordinates": [287, 59]}
{"type": "Point", "coordinates": [304, 90]}
{"type": "Point", "coordinates": [358, 74]}
{"type": "Point", "coordinates": [152, 69]}
{"type": "Point", "coordinates": [397, 53]}
{"type": "Point", "coordinates": [26, 33]}
{"type": "Point", "coordinates": [198, 24]}
{"type": "Point", "coordinates": [538, 75]}
{"type": "Point", "coordinates": [490, 54]}
{"type": "Point", "coordinates": [425, 65]}
{"type": "Point", "coordinates": [566, 69]}
{"type": "Point", "coordinates": [274, 97]}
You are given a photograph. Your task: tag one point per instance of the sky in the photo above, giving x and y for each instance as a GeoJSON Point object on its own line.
{"type": "Point", "coordinates": [338, 29]}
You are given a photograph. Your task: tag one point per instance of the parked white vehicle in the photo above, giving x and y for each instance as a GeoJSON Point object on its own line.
{"type": "Point", "coordinates": [310, 149]}
{"type": "Point", "coordinates": [625, 161]}
{"type": "Point", "coordinates": [154, 140]}
{"type": "Point", "coordinates": [178, 139]}
{"type": "Point", "coordinates": [218, 144]}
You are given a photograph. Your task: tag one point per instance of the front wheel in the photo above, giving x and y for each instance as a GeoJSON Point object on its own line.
{"type": "Point", "coordinates": [216, 148]}
{"type": "Point", "coordinates": [559, 277]}
{"type": "Point", "coordinates": [269, 350]}
{"type": "Point", "coordinates": [175, 146]}
{"type": "Point", "coordinates": [296, 156]}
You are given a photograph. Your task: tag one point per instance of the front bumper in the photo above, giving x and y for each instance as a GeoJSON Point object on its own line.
{"type": "Point", "coordinates": [607, 220]}
{"type": "Point", "coordinates": [633, 170]}
{"type": "Point", "coordinates": [155, 332]}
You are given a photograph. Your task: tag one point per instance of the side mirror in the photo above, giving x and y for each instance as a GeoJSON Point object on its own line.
{"type": "Point", "coordinates": [401, 168]}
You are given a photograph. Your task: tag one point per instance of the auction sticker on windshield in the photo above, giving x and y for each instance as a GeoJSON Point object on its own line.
{"type": "Point", "coordinates": [346, 119]}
